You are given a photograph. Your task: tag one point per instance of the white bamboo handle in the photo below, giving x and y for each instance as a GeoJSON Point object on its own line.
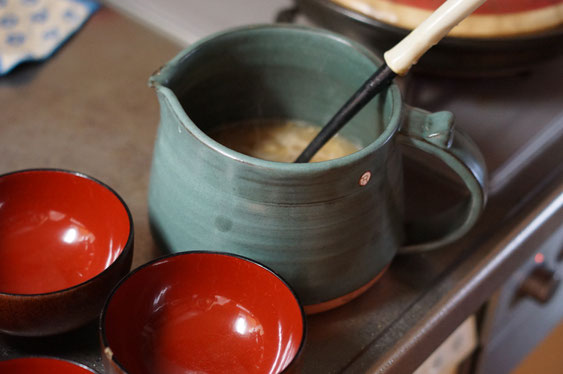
{"type": "Point", "coordinates": [402, 56]}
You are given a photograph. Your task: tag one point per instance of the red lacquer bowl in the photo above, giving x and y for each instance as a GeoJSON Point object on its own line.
{"type": "Point", "coordinates": [42, 365]}
{"type": "Point", "coordinates": [65, 240]}
{"type": "Point", "coordinates": [201, 312]}
{"type": "Point", "coordinates": [493, 19]}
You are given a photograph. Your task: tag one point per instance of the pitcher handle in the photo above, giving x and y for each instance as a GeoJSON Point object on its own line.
{"type": "Point", "coordinates": [435, 134]}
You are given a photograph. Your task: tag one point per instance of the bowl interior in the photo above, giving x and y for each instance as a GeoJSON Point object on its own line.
{"type": "Point", "coordinates": [203, 312]}
{"type": "Point", "coordinates": [57, 229]}
{"type": "Point", "coordinates": [41, 365]}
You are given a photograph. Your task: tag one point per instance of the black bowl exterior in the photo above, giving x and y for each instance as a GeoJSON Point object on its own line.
{"type": "Point", "coordinates": [62, 311]}
{"type": "Point", "coordinates": [452, 56]}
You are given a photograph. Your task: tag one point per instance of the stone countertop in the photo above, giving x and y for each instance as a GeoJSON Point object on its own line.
{"type": "Point", "coordinates": [89, 109]}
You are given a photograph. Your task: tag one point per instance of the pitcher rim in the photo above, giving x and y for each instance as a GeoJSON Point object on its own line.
{"type": "Point", "coordinates": [158, 80]}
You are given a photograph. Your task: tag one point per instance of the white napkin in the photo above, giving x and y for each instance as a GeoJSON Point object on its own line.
{"type": "Point", "coordinates": [33, 30]}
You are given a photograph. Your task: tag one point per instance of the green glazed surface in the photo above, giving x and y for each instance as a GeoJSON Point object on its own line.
{"type": "Point", "coordinates": [314, 224]}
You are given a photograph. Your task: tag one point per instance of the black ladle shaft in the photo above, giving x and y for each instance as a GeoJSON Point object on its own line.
{"type": "Point", "coordinates": [398, 59]}
{"type": "Point", "coordinates": [375, 84]}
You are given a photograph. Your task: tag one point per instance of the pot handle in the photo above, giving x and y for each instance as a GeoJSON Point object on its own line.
{"type": "Point", "coordinates": [434, 133]}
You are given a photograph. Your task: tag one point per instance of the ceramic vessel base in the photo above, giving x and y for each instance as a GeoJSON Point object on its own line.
{"type": "Point", "coordinates": [339, 301]}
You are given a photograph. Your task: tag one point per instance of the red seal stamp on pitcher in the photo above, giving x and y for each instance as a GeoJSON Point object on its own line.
{"type": "Point", "coordinates": [364, 179]}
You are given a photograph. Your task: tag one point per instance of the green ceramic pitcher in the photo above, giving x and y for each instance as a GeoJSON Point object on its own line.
{"type": "Point", "coordinates": [328, 228]}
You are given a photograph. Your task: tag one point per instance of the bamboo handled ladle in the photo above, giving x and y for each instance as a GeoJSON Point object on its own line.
{"type": "Point", "coordinates": [398, 61]}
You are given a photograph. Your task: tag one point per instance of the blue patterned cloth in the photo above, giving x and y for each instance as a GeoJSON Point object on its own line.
{"type": "Point", "coordinates": [32, 30]}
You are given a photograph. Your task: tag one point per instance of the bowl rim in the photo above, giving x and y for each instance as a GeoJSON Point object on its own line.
{"type": "Point", "coordinates": [366, 20]}
{"type": "Point", "coordinates": [101, 326]}
{"type": "Point", "coordinates": [128, 247]}
{"type": "Point", "coordinates": [75, 363]}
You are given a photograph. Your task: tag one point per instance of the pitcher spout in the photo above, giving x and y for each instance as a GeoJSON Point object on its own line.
{"type": "Point", "coordinates": [155, 78]}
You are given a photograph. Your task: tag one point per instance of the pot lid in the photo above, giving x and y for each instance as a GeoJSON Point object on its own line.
{"type": "Point", "coordinates": [495, 18]}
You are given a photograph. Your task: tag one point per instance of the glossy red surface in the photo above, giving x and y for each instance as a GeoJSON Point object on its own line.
{"type": "Point", "coordinates": [57, 230]}
{"type": "Point", "coordinates": [204, 313]}
{"type": "Point", "coordinates": [489, 7]}
{"type": "Point", "coordinates": [40, 365]}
